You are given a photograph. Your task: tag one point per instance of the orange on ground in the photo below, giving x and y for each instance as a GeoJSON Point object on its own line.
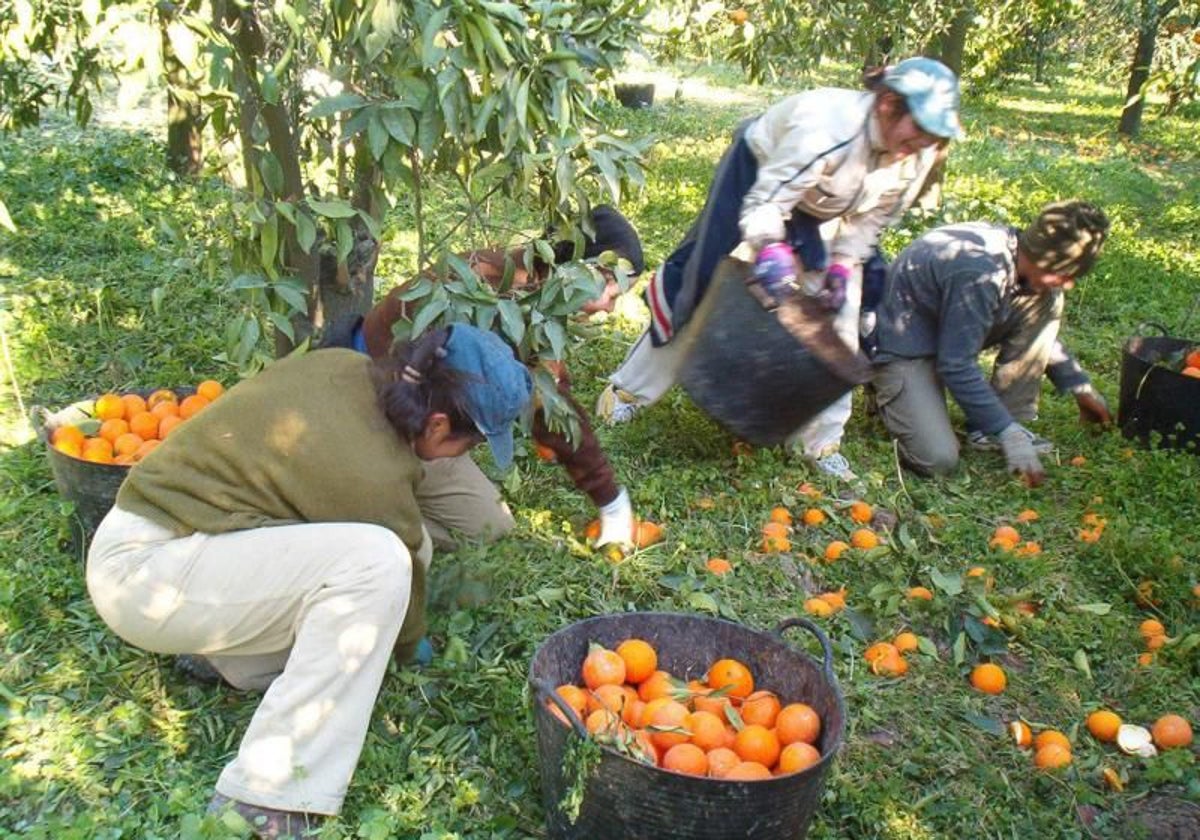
{"type": "Point", "coordinates": [1155, 642]}
{"type": "Point", "coordinates": [601, 667]}
{"type": "Point", "coordinates": [1028, 515]}
{"type": "Point", "coordinates": [641, 660]}
{"type": "Point", "coordinates": [806, 489]}
{"type": "Point", "coordinates": [761, 707]}
{"type": "Point", "coordinates": [1152, 627]}
{"type": "Point", "coordinates": [818, 607]}
{"type": "Point", "coordinates": [813, 517]}
{"type": "Point", "coordinates": [647, 533]}
{"type": "Point", "coordinates": [1078, 461]}
{"type": "Point", "coordinates": [864, 538]}
{"type": "Point", "coordinates": [1051, 736]}
{"type": "Point", "coordinates": [890, 665]}
{"type": "Point", "coordinates": [127, 444]}
{"type": "Point", "coordinates": [1029, 548]}
{"type": "Point", "coordinates": [110, 430]}
{"type": "Point", "coordinates": [757, 743]}
{"type": "Point", "coordinates": [1171, 731]}
{"type": "Point", "coordinates": [210, 389]}
{"type": "Point", "coordinates": [144, 425]}
{"type": "Point", "coordinates": [989, 678]}
{"type": "Point", "coordinates": [1052, 757]}
{"type": "Point", "coordinates": [797, 722]}
{"type": "Point", "coordinates": [747, 771]}
{"type": "Point", "coordinates": [708, 730]}
{"type": "Point", "coordinates": [592, 531]}
{"type": "Point", "coordinates": [879, 650]}
{"type": "Point", "coordinates": [1021, 734]}
{"type": "Point", "coordinates": [781, 515]}
{"type": "Point", "coordinates": [1007, 533]}
{"type": "Point", "coordinates": [720, 761]}
{"type": "Point", "coordinates": [770, 545]}
{"type": "Point", "coordinates": [919, 593]}
{"type": "Point", "coordinates": [835, 550]}
{"type": "Point", "coordinates": [193, 405]}
{"type": "Point", "coordinates": [686, 758]}
{"type": "Point", "coordinates": [796, 757]}
{"type": "Point", "coordinates": [160, 396]}
{"type": "Point", "coordinates": [835, 598]}
{"type": "Point", "coordinates": [1145, 659]}
{"type": "Point", "coordinates": [732, 674]}
{"type": "Point", "coordinates": [1193, 358]}
{"type": "Point", "coordinates": [861, 512]}
{"type": "Point", "coordinates": [109, 407]}
{"type": "Point", "coordinates": [670, 715]}
{"type": "Point", "coordinates": [906, 641]}
{"type": "Point", "coordinates": [1103, 725]}
{"type": "Point", "coordinates": [134, 404]}
{"type": "Point", "coordinates": [718, 566]}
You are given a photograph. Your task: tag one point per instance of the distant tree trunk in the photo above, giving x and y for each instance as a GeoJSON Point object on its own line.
{"type": "Point", "coordinates": [184, 116]}
{"type": "Point", "coordinates": [1152, 15]}
{"type": "Point", "coordinates": [951, 44]}
{"type": "Point", "coordinates": [1039, 58]}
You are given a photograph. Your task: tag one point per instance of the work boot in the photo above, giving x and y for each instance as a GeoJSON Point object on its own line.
{"type": "Point", "coordinates": [269, 823]}
{"type": "Point", "coordinates": [616, 405]}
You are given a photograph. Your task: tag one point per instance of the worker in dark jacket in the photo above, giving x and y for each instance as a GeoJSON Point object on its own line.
{"type": "Point", "coordinates": [445, 495]}
{"type": "Point", "coordinates": [960, 289]}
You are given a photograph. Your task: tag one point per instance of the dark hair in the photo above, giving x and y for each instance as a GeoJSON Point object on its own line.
{"type": "Point", "coordinates": [613, 233]}
{"type": "Point", "coordinates": [872, 80]}
{"type": "Point", "coordinates": [412, 383]}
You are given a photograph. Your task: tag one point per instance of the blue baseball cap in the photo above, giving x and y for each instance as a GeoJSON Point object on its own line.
{"type": "Point", "coordinates": [498, 385]}
{"type": "Point", "coordinates": [931, 90]}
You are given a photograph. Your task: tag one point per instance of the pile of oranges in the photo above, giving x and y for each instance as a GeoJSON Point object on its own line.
{"type": "Point", "coordinates": [720, 726]}
{"type": "Point", "coordinates": [777, 530]}
{"type": "Point", "coordinates": [125, 428]}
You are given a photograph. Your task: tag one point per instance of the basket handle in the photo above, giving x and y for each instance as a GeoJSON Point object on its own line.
{"type": "Point", "coordinates": [545, 692]}
{"type": "Point", "coordinates": [1145, 325]}
{"type": "Point", "coordinates": [826, 647]}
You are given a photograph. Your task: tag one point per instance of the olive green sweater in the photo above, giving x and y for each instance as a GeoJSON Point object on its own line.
{"type": "Point", "coordinates": [303, 441]}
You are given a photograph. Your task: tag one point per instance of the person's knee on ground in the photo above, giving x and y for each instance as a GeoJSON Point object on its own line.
{"type": "Point", "coordinates": [931, 457]}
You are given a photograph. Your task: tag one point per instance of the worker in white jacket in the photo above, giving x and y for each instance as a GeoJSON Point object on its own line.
{"type": "Point", "coordinates": [817, 177]}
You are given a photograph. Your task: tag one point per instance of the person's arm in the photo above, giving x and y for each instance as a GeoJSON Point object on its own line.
{"type": "Point", "coordinates": [1068, 376]}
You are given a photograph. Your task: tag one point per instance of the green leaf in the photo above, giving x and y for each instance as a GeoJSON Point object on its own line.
{"type": "Point", "coordinates": [156, 299]}
{"type": "Point", "coordinates": [399, 123]}
{"type": "Point", "coordinates": [334, 209]}
{"type": "Point", "coordinates": [1080, 658]}
{"type": "Point", "coordinates": [282, 324]}
{"type": "Point", "coordinates": [331, 105]}
{"type": "Point", "coordinates": [345, 239]}
{"type": "Point", "coordinates": [950, 584]}
{"type": "Point", "coordinates": [306, 231]}
{"type": "Point", "coordinates": [292, 292]}
{"type": "Point", "coordinates": [960, 648]}
{"type": "Point", "coordinates": [5, 219]}
{"type": "Point", "coordinates": [704, 602]}
{"type": "Point", "coordinates": [556, 333]}
{"type": "Point", "coordinates": [271, 171]}
{"type": "Point", "coordinates": [377, 136]}
{"type": "Point", "coordinates": [987, 724]}
{"type": "Point", "coordinates": [429, 313]}
{"type": "Point", "coordinates": [1094, 609]}
{"type": "Point", "coordinates": [511, 321]}
{"type": "Point", "coordinates": [268, 237]}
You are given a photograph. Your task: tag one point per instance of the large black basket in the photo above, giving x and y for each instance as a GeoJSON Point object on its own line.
{"type": "Point", "coordinates": [1156, 400]}
{"type": "Point", "coordinates": [626, 800]}
{"type": "Point", "coordinates": [763, 372]}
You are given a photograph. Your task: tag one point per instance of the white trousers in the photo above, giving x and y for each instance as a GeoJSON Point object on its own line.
{"type": "Point", "coordinates": [308, 612]}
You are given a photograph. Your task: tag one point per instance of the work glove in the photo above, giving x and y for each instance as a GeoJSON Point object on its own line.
{"type": "Point", "coordinates": [616, 522]}
{"type": "Point", "coordinates": [1092, 407]}
{"type": "Point", "coordinates": [1017, 443]}
{"type": "Point", "coordinates": [776, 267]}
{"type": "Point", "coordinates": [833, 290]}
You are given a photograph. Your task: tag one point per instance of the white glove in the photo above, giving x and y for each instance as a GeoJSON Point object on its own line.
{"type": "Point", "coordinates": [1017, 443]}
{"type": "Point", "coordinates": [763, 225]}
{"type": "Point", "coordinates": [616, 521]}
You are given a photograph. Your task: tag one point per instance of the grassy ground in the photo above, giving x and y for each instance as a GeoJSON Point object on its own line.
{"type": "Point", "coordinates": [104, 741]}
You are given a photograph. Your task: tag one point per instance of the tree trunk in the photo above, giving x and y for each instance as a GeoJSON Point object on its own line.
{"type": "Point", "coordinates": [952, 43]}
{"type": "Point", "coordinates": [1039, 58]}
{"type": "Point", "coordinates": [184, 116]}
{"type": "Point", "coordinates": [1152, 16]}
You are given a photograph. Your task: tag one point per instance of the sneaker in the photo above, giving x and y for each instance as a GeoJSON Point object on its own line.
{"type": "Point", "coordinates": [269, 823]}
{"type": "Point", "coordinates": [615, 405]}
{"type": "Point", "coordinates": [836, 465]}
{"type": "Point", "coordinates": [991, 443]}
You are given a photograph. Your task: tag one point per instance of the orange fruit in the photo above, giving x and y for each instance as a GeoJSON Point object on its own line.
{"type": "Point", "coordinates": [919, 593]}
{"type": "Point", "coordinates": [781, 515]}
{"type": "Point", "coordinates": [109, 407]}
{"type": "Point", "coordinates": [110, 430]}
{"type": "Point", "coordinates": [1103, 725]}
{"type": "Point", "coordinates": [1152, 627]}
{"type": "Point", "coordinates": [813, 517]}
{"type": "Point", "coordinates": [1191, 371]}
{"type": "Point", "coordinates": [160, 396]}
{"type": "Point", "coordinates": [165, 408]}
{"type": "Point", "coordinates": [818, 607]}
{"type": "Point", "coordinates": [1029, 548]}
{"type": "Point", "coordinates": [667, 723]}
{"type": "Point", "coordinates": [166, 424]}
{"type": "Point", "coordinates": [1193, 358]}
{"type": "Point", "coordinates": [747, 771]}
{"type": "Point", "coordinates": [709, 701]}
{"type": "Point", "coordinates": [835, 599]}
{"type": "Point", "coordinates": [835, 550]}
{"type": "Point", "coordinates": [806, 489]}
{"type": "Point", "coordinates": [545, 453]}
{"type": "Point", "coordinates": [192, 406]}
{"type": "Point", "coordinates": [97, 450]}
{"type": "Point", "coordinates": [144, 425]}
{"type": "Point", "coordinates": [611, 697]}
{"type": "Point", "coordinates": [720, 761]}
{"type": "Point", "coordinates": [989, 678]}
{"type": "Point", "coordinates": [771, 544]}
{"type": "Point", "coordinates": [1051, 736]}
{"type": "Point", "coordinates": [686, 758]}
{"type": "Point", "coordinates": [891, 664]}
{"type": "Point", "coordinates": [210, 389]}
{"type": "Point", "coordinates": [732, 675]}
{"type": "Point", "coordinates": [761, 707]}
{"type": "Point", "coordinates": [861, 512]}
{"type": "Point", "coordinates": [602, 721]}
{"type": "Point", "coordinates": [757, 743]}
{"type": "Point", "coordinates": [796, 757]}
{"type": "Point", "coordinates": [906, 641]}
{"type": "Point", "coordinates": [602, 667]}
{"type": "Point", "coordinates": [719, 566]}
{"type": "Point", "coordinates": [797, 722]}
{"type": "Point", "coordinates": [70, 446]}
{"type": "Point", "coordinates": [659, 684]}
{"type": "Point", "coordinates": [1171, 731]}
{"type": "Point", "coordinates": [1051, 757]}
{"type": "Point", "coordinates": [708, 730]}
{"type": "Point", "coordinates": [1155, 642]}
{"type": "Point", "coordinates": [1145, 659]}
{"type": "Point", "coordinates": [63, 433]}
{"type": "Point", "coordinates": [647, 533]}
{"type": "Point", "coordinates": [134, 404]}
{"type": "Point", "coordinates": [145, 449]}
{"type": "Point", "coordinates": [641, 660]}
{"type": "Point", "coordinates": [1021, 734]}
{"type": "Point", "coordinates": [879, 650]}
{"type": "Point", "coordinates": [573, 696]}
{"type": "Point", "coordinates": [127, 444]}
{"type": "Point", "coordinates": [864, 538]}
{"type": "Point", "coordinates": [1028, 515]}
{"type": "Point", "coordinates": [1007, 533]}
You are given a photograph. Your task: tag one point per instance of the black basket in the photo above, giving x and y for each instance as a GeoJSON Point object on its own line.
{"type": "Point", "coordinates": [1156, 400]}
{"type": "Point", "coordinates": [627, 800]}
{"type": "Point", "coordinates": [635, 95]}
{"type": "Point", "coordinates": [763, 372]}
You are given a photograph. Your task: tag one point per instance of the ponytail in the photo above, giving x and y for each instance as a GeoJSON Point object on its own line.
{"type": "Point", "coordinates": [413, 382]}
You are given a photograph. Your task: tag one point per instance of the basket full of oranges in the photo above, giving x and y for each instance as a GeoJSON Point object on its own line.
{"type": "Point", "coordinates": [92, 443]}
{"type": "Point", "coordinates": [703, 728]}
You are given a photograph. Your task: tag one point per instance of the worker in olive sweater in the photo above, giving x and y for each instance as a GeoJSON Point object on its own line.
{"type": "Point", "coordinates": [277, 534]}
{"type": "Point", "coordinates": [962, 288]}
